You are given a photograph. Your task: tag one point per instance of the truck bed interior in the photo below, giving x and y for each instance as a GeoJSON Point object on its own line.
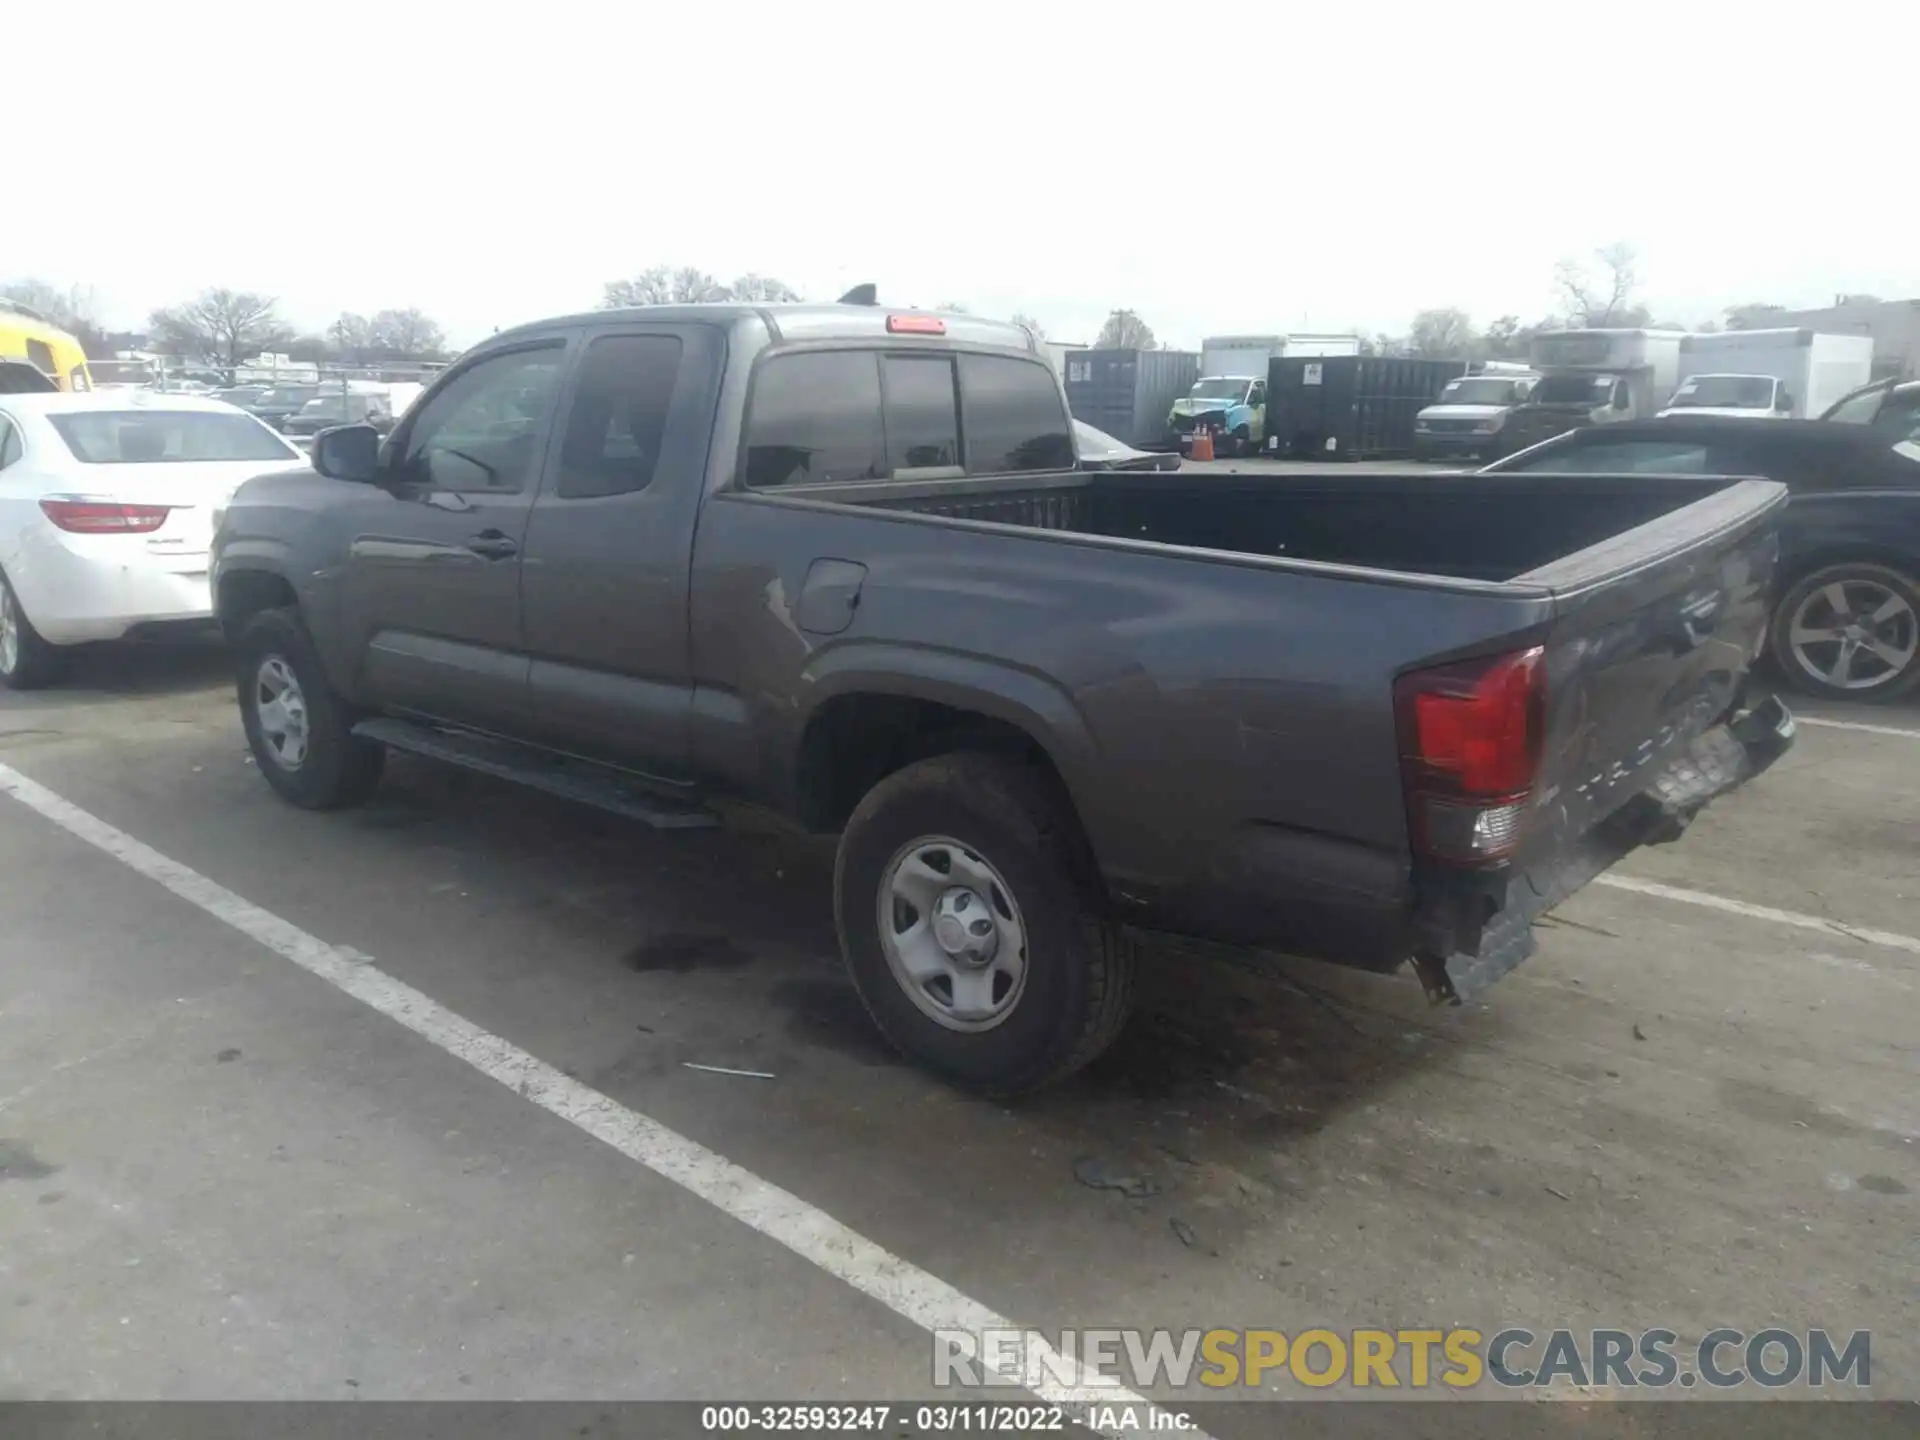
{"type": "Point", "coordinates": [1474, 527]}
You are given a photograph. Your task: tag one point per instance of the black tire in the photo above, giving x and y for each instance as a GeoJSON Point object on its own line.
{"type": "Point", "coordinates": [1886, 580]}
{"type": "Point", "coordinates": [1242, 442]}
{"type": "Point", "coordinates": [1079, 980]}
{"type": "Point", "coordinates": [338, 768]}
{"type": "Point", "coordinates": [35, 663]}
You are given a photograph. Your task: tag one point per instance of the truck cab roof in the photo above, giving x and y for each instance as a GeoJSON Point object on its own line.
{"type": "Point", "coordinates": [793, 322]}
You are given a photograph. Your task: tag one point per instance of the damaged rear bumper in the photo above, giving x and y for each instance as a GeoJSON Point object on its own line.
{"type": "Point", "coordinates": [1474, 927]}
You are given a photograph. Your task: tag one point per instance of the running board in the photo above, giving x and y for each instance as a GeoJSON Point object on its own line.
{"type": "Point", "coordinates": [577, 780]}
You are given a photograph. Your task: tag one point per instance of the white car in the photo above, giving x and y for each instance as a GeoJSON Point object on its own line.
{"type": "Point", "coordinates": [108, 502]}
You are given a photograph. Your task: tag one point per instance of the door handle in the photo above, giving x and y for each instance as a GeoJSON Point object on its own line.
{"type": "Point", "coordinates": [493, 545]}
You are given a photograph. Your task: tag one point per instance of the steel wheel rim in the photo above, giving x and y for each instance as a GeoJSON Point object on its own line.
{"type": "Point", "coordinates": [9, 632]}
{"type": "Point", "coordinates": [952, 934]}
{"type": "Point", "coordinates": [280, 707]}
{"type": "Point", "coordinates": [1854, 634]}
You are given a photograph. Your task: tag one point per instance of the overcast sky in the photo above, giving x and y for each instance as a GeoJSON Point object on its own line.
{"type": "Point", "coordinates": [1226, 167]}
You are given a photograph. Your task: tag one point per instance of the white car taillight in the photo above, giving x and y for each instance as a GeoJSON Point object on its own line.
{"type": "Point", "coordinates": [104, 517]}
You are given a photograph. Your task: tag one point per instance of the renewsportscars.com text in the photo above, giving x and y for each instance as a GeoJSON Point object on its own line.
{"type": "Point", "coordinates": [1415, 1359]}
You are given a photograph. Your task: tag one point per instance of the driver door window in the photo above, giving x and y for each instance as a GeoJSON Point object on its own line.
{"type": "Point", "coordinates": [481, 433]}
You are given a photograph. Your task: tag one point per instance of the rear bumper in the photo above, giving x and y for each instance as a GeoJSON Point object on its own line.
{"type": "Point", "coordinates": [73, 599]}
{"type": "Point", "coordinates": [1471, 929]}
{"type": "Point", "coordinates": [1269, 888]}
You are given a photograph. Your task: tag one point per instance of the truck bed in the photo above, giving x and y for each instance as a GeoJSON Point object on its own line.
{"type": "Point", "coordinates": [1231, 643]}
{"type": "Point", "coordinates": [1470, 527]}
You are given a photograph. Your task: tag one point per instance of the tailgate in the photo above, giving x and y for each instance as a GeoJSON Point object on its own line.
{"type": "Point", "coordinates": [1650, 713]}
{"type": "Point", "coordinates": [1653, 634]}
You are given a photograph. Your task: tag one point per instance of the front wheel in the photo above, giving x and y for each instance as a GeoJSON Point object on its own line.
{"type": "Point", "coordinates": [27, 662]}
{"type": "Point", "coordinates": [300, 731]}
{"type": "Point", "coordinates": [1850, 632]}
{"type": "Point", "coordinates": [969, 931]}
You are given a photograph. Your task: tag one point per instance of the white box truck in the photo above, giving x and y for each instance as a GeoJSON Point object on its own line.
{"type": "Point", "coordinates": [1595, 377]}
{"type": "Point", "coordinates": [1248, 354]}
{"type": "Point", "coordinates": [1777, 374]}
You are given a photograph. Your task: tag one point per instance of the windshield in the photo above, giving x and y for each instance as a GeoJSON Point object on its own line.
{"type": "Point", "coordinates": [1230, 390]}
{"type": "Point", "coordinates": [1573, 389]}
{"type": "Point", "coordinates": [1860, 407]}
{"type": "Point", "coordinates": [159, 437]}
{"type": "Point", "coordinates": [1094, 444]}
{"type": "Point", "coordinates": [1479, 390]}
{"type": "Point", "coordinates": [1732, 392]}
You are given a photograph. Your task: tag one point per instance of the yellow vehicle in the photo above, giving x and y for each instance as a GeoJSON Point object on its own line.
{"type": "Point", "coordinates": [28, 335]}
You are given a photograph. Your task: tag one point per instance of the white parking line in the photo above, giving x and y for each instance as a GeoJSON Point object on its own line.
{"type": "Point", "coordinates": [1888, 938]}
{"type": "Point", "coordinates": [1856, 725]}
{"type": "Point", "coordinates": [904, 1288]}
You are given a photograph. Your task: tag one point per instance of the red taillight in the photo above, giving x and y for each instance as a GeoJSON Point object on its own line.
{"type": "Point", "coordinates": [1470, 742]}
{"type": "Point", "coordinates": [916, 325]}
{"type": "Point", "coordinates": [105, 517]}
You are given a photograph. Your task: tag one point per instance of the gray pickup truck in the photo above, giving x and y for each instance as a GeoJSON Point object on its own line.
{"type": "Point", "coordinates": [838, 561]}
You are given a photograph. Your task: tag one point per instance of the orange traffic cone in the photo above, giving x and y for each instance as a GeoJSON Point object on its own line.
{"type": "Point", "coordinates": [1202, 445]}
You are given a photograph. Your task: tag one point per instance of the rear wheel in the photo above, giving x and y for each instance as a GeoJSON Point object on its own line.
{"type": "Point", "coordinates": [1850, 632]}
{"type": "Point", "coordinates": [27, 662]}
{"type": "Point", "coordinates": [300, 730]}
{"type": "Point", "coordinates": [970, 934]}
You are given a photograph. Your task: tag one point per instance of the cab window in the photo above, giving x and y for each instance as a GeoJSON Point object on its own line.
{"type": "Point", "coordinates": [1013, 418]}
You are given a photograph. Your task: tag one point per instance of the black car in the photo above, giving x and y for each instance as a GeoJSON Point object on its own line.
{"type": "Point", "coordinates": [1847, 619]}
{"type": "Point", "coordinates": [1891, 406]}
{"type": "Point", "coordinates": [1097, 450]}
{"type": "Point", "coordinates": [280, 403]}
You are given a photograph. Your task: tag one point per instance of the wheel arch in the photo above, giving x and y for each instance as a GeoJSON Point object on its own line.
{"type": "Point", "coordinates": [874, 710]}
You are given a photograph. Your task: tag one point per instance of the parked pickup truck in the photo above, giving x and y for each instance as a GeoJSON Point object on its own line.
{"type": "Point", "coordinates": [838, 561]}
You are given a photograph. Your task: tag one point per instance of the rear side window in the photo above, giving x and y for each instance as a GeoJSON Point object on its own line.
{"type": "Point", "coordinates": [815, 420]}
{"type": "Point", "coordinates": [1014, 418]}
{"type": "Point", "coordinates": [164, 437]}
{"type": "Point", "coordinates": [619, 415]}
{"type": "Point", "coordinates": [923, 416]}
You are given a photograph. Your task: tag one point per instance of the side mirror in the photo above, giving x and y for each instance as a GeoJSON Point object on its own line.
{"type": "Point", "coordinates": [1783, 401]}
{"type": "Point", "coordinates": [348, 452]}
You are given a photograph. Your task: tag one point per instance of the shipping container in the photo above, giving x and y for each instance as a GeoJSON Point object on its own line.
{"type": "Point", "coordinates": [1129, 393]}
{"type": "Point", "coordinates": [1350, 407]}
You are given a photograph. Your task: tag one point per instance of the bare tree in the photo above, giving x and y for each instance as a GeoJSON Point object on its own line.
{"type": "Point", "coordinates": [1032, 326]}
{"type": "Point", "coordinates": [652, 286]}
{"type": "Point", "coordinates": [668, 285]}
{"type": "Point", "coordinates": [1441, 334]}
{"type": "Point", "coordinates": [1501, 339]}
{"type": "Point", "coordinates": [1607, 301]}
{"type": "Point", "coordinates": [221, 325]}
{"type": "Point", "coordinates": [74, 310]}
{"type": "Point", "coordinates": [351, 337]}
{"type": "Point", "coordinates": [1125, 330]}
{"type": "Point", "coordinates": [407, 335]}
{"type": "Point", "coordinates": [762, 290]}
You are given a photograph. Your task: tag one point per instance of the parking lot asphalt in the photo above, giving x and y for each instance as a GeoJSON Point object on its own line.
{"type": "Point", "coordinates": [220, 1176]}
